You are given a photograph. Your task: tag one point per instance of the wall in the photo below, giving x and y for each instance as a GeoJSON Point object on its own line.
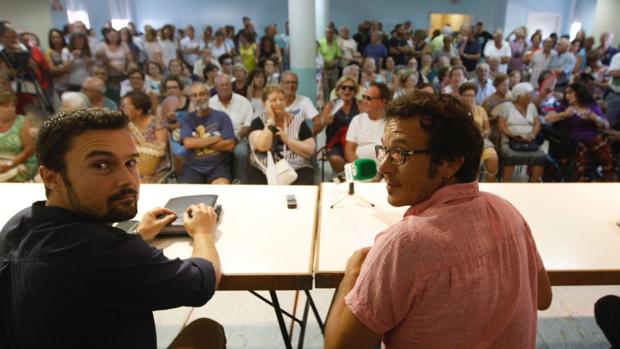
{"type": "Point", "coordinates": [607, 19]}
{"type": "Point", "coordinates": [517, 11]}
{"type": "Point", "coordinates": [29, 15]}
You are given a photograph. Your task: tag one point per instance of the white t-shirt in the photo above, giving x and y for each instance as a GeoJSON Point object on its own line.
{"type": "Point", "coordinates": [490, 50]}
{"type": "Point", "coordinates": [303, 105]}
{"type": "Point", "coordinates": [168, 51]}
{"type": "Point", "coordinates": [216, 52]}
{"type": "Point", "coordinates": [187, 43]}
{"type": "Point", "coordinates": [517, 124]}
{"type": "Point", "coordinates": [348, 48]}
{"type": "Point", "coordinates": [366, 133]}
{"type": "Point", "coordinates": [239, 110]}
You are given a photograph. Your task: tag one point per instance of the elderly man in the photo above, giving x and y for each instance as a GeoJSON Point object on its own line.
{"type": "Point", "coordinates": [298, 104]}
{"type": "Point", "coordinates": [483, 82]}
{"type": "Point", "coordinates": [540, 61]}
{"type": "Point", "coordinates": [209, 139]}
{"type": "Point", "coordinates": [375, 49]}
{"type": "Point", "coordinates": [94, 89]}
{"type": "Point", "coordinates": [105, 283]}
{"type": "Point", "coordinates": [205, 59]}
{"type": "Point", "coordinates": [500, 49]}
{"type": "Point", "coordinates": [348, 46]}
{"type": "Point", "coordinates": [239, 110]}
{"type": "Point", "coordinates": [461, 262]}
{"type": "Point", "coordinates": [563, 63]}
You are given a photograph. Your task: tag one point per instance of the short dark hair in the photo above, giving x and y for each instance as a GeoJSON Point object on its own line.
{"type": "Point", "coordinates": [582, 94]}
{"type": "Point", "coordinates": [468, 86]}
{"type": "Point", "coordinates": [208, 68]}
{"type": "Point", "coordinates": [384, 91]}
{"type": "Point", "coordinates": [173, 78]}
{"type": "Point", "coordinates": [140, 100]}
{"type": "Point", "coordinates": [58, 131]}
{"type": "Point", "coordinates": [453, 133]}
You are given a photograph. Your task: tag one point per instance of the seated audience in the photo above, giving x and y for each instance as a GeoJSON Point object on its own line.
{"type": "Point", "coordinates": [105, 282]}
{"type": "Point", "coordinates": [73, 100]}
{"type": "Point", "coordinates": [94, 88]}
{"type": "Point", "coordinates": [435, 272]}
{"type": "Point", "coordinates": [240, 75]}
{"type": "Point", "coordinates": [467, 94]}
{"type": "Point", "coordinates": [336, 117]}
{"type": "Point", "coordinates": [581, 120]}
{"type": "Point", "coordinates": [483, 82]}
{"type": "Point", "coordinates": [296, 104]}
{"type": "Point", "coordinates": [256, 83]}
{"type": "Point", "coordinates": [17, 160]}
{"type": "Point", "coordinates": [149, 134]}
{"type": "Point", "coordinates": [285, 135]}
{"type": "Point", "coordinates": [209, 139]}
{"type": "Point", "coordinates": [519, 125]}
{"type": "Point", "coordinates": [365, 130]}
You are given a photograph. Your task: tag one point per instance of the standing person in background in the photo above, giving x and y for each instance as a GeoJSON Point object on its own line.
{"type": "Point", "coordinates": [207, 37]}
{"type": "Point", "coordinates": [499, 49]}
{"type": "Point", "coordinates": [518, 47]}
{"type": "Point", "coordinates": [219, 47]}
{"type": "Point", "coordinates": [348, 46]}
{"type": "Point", "coordinates": [330, 50]}
{"type": "Point", "coordinates": [606, 49]}
{"type": "Point", "coordinates": [114, 55]}
{"type": "Point", "coordinates": [59, 60]}
{"type": "Point", "coordinates": [482, 35]}
{"type": "Point", "coordinates": [247, 51]}
{"type": "Point", "coordinates": [469, 49]}
{"type": "Point", "coordinates": [190, 47]}
{"type": "Point", "coordinates": [152, 47]}
{"type": "Point", "coordinates": [398, 47]}
{"type": "Point", "coordinates": [168, 45]}
{"type": "Point", "coordinates": [134, 50]}
{"type": "Point", "coordinates": [82, 61]}
{"type": "Point", "coordinates": [376, 50]}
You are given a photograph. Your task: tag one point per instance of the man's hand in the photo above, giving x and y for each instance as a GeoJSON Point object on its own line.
{"type": "Point", "coordinates": [354, 264]}
{"type": "Point", "coordinates": [200, 220]}
{"type": "Point", "coordinates": [150, 225]}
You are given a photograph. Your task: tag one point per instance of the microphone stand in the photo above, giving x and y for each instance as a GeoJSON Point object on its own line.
{"type": "Point", "coordinates": [351, 193]}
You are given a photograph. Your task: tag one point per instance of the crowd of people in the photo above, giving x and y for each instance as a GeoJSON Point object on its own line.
{"type": "Point", "coordinates": [432, 111]}
{"type": "Point", "coordinates": [199, 103]}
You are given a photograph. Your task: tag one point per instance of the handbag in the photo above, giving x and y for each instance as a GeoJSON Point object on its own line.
{"type": "Point", "coordinates": [277, 173]}
{"type": "Point", "coordinates": [517, 145]}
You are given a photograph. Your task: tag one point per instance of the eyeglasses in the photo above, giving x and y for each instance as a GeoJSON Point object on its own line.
{"type": "Point", "coordinates": [289, 82]}
{"type": "Point", "coordinates": [369, 98]}
{"type": "Point", "coordinates": [397, 156]}
{"type": "Point", "coordinates": [347, 87]}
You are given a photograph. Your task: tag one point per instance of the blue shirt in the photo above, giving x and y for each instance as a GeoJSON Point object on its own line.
{"type": "Point", "coordinates": [216, 123]}
{"type": "Point", "coordinates": [565, 61]}
{"type": "Point", "coordinates": [376, 52]}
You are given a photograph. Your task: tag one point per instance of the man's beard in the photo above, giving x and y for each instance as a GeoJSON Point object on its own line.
{"type": "Point", "coordinates": [202, 106]}
{"type": "Point", "coordinates": [113, 214]}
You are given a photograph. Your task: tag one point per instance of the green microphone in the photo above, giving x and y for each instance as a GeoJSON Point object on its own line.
{"type": "Point", "coordinates": [360, 170]}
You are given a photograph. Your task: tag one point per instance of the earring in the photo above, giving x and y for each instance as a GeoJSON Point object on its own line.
{"type": "Point", "coordinates": [445, 181]}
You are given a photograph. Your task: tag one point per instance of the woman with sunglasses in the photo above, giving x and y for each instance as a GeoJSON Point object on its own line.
{"type": "Point", "coordinates": [337, 116]}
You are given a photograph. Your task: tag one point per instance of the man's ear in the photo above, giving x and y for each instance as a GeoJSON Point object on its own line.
{"type": "Point", "coordinates": [51, 179]}
{"type": "Point", "coordinates": [448, 168]}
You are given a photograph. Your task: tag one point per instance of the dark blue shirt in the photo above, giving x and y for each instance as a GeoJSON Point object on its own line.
{"type": "Point", "coordinates": [216, 123]}
{"type": "Point", "coordinates": [69, 282]}
{"type": "Point", "coordinates": [471, 48]}
{"type": "Point", "coordinates": [376, 52]}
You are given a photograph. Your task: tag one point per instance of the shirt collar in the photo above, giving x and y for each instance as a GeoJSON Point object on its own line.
{"type": "Point", "coordinates": [444, 195]}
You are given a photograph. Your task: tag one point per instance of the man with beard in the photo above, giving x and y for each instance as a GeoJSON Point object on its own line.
{"type": "Point", "coordinates": [209, 138]}
{"type": "Point", "coordinates": [68, 278]}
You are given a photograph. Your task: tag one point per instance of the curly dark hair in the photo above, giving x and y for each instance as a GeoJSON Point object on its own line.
{"type": "Point", "coordinates": [58, 131]}
{"type": "Point", "coordinates": [453, 133]}
{"type": "Point", "coordinates": [582, 94]}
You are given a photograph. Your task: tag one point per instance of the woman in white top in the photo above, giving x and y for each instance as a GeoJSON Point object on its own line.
{"type": "Point", "coordinates": [154, 77]}
{"type": "Point", "coordinates": [519, 123]}
{"type": "Point", "coordinates": [219, 46]}
{"type": "Point", "coordinates": [207, 37]}
{"type": "Point", "coordinates": [168, 45]}
{"type": "Point", "coordinates": [152, 48]}
{"type": "Point", "coordinates": [257, 82]}
{"type": "Point", "coordinates": [114, 55]}
{"type": "Point", "coordinates": [81, 60]}
{"type": "Point", "coordinates": [408, 82]}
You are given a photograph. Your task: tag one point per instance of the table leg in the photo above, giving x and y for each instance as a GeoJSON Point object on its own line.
{"type": "Point", "coordinates": [304, 323]}
{"type": "Point", "coordinates": [278, 310]}
{"type": "Point", "coordinates": [317, 316]}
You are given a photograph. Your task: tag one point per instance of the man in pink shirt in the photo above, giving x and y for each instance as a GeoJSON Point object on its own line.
{"type": "Point", "coordinates": [461, 269]}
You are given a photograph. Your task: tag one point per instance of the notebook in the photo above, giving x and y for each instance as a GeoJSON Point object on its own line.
{"type": "Point", "coordinates": [179, 205]}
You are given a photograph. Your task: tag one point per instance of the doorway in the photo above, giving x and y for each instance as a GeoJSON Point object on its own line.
{"type": "Point", "coordinates": [438, 20]}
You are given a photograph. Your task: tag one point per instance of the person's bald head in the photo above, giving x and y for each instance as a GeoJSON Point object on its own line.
{"type": "Point", "coordinates": [223, 86]}
{"type": "Point", "coordinates": [93, 88]}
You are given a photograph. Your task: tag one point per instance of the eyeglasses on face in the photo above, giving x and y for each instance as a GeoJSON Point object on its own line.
{"type": "Point", "coordinates": [397, 156]}
{"type": "Point", "coordinates": [369, 98]}
{"type": "Point", "coordinates": [347, 87]}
